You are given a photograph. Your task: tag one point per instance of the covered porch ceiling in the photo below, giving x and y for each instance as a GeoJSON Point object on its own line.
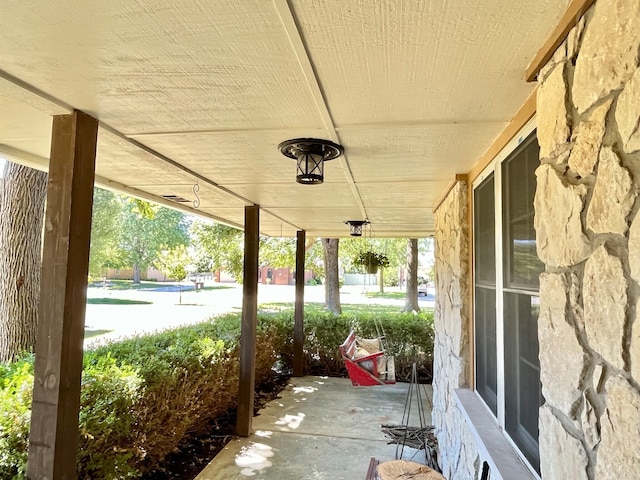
{"type": "Point", "coordinates": [203, 91]}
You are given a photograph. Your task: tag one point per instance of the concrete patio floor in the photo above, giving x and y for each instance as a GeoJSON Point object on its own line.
{"type": "Point", "coordinates": [320, 429]}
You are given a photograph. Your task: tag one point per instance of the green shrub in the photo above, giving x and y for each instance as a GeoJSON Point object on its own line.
{"type": "Point", "coordinates": [141, 397]}
{"type": "Point", "coordinates": [409, 339]}
{"type": "Point", "coordinates": [16, 387]}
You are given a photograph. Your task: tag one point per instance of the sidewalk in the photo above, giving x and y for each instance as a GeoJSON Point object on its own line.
{"type": "Point", "coordinates": [321, 429]}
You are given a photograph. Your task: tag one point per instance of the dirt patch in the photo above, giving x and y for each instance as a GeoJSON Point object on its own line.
{"type": "Point", "coordinates": [195, 453]}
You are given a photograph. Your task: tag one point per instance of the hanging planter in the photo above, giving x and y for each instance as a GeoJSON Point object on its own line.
{"type": "Point", "coordinates": [371, 268]}
{"type": "Point", "coordinates": [371, 261]}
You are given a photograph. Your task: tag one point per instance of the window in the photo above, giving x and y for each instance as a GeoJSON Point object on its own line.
{"type": "Point", "coordinates": [485, 293]}
{"type": "Point", "coordinates": [506, 297]}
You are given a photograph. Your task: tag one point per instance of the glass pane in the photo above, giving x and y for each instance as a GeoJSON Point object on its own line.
{"type": "Point", "coordinates": [486, 347]}
{"type": "Point", "coordinates": [484, 232]}
{"type": "Point", "coordinates": [523, 393]}
{"type": "Point", "coordinates": [522, 265]}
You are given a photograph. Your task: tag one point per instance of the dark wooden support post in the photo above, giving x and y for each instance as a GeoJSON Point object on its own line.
{"type": "Point", "coordinates": [298, 327]}
{"type": "Point", "coordinates": [249, 321]}
{"type": "Point", "coordinates": [65, 263]}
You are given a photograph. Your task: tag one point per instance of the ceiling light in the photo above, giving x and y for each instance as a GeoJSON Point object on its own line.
{"type": "Point", "coordinates": [355, 227]}
{"type": "Point", "coordinates": [310, 153]}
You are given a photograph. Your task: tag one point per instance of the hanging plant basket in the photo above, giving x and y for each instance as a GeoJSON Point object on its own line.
{"type": "Point", "coordinates": [371, 268]}
{"type": "Point", "coordinates": [371, 261]}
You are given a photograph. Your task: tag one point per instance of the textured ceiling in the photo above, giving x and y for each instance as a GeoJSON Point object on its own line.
{"type": "Point", "coordinates": [203, 92]}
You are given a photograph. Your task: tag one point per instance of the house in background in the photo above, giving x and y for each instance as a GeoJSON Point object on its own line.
{"type": "Point", "coordinates": [268, 275]}
{"type": "Point", "coordinates": [151, 273]}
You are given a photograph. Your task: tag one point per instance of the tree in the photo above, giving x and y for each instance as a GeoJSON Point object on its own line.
{"type": "Point", "coordinates": [332, 282]}
{"type": "Point", "coordinates": [218, 247]}
{"type": "Point", "coordinates": [105, 232]}
{"type": "Point", "coordinates": [314, 259]}
{"type": "Point", "coordinates": [278, 252]}
{"type": "Point", "coordinates": [411, 299]}
{"type": "Point", "coordinates": [281, 253]}
{"type": "Point", "coordinates": [22, 202]}
{"type": "Point", "coordinates": [173, 263]}
{"type": "Point", "coordinates": [145, 233]}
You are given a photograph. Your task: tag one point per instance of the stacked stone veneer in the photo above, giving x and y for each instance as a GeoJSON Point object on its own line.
{"type": "Point", "coordinates": [588, 234]}
{"type": "Point", "coordinates": [458, 455]}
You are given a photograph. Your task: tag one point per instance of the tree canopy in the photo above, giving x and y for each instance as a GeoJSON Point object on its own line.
{"type": "Point", "coordinates": [128, 232]}
{"type": "Point", "coordinates": [145, 233]}
{"type": "Point", "coordinates": [218, 246]}
{"type": "Point", "coordinates": [105, 232]}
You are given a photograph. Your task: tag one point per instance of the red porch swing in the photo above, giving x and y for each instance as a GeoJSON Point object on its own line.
{"type": "Point", "coordinates": [367, 362]}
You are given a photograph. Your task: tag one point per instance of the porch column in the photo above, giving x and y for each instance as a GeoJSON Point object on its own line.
{"type": "Point", "coordinates": [65, 263]}
{"type": "Point", "coordinates": [298, 327]}
{"type": "Point", "coordinates": [249, 321]}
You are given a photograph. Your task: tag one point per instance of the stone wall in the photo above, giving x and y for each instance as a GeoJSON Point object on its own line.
{"type": "Point", "coordinates": [588, 234]}
{"type": "Point", "coordinates": [458, 456]}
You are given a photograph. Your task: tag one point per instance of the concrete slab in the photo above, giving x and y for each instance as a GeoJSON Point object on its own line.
{"type": "Point", "coordinates": [320, 429]}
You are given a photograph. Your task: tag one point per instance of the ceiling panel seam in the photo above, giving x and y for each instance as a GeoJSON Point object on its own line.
{"type": "Point", "coordinates": [292, 29]}
{"type": "Point", "coordinates": [55, 106]}
{"type": "Point", "coordinates": [214, 131]}
{"type": "Point", "coordinates": [51, 105]}
{"type": "Point", "coordinates": [41, 163]}
{"type": "Point", "coordinates": [194, 174]}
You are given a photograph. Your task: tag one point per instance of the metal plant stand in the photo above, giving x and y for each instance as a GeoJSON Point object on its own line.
{"type": "Point", "coordinates": [420, 438]}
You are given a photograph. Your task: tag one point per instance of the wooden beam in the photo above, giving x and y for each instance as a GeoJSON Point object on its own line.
{"type": "Point", "coordinates": [571, 17]}
{"type": "Point", "coordinates": [65, 263]}
{"type": "Point", "coordinates": [249, 321]}
{"type": "Point", "coordinates": [298, 327]}
{"type": "Point", "coordinates": [519, 120]}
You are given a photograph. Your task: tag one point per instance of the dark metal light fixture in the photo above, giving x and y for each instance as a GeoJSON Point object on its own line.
{"type": "Point", "coordinates": [310, 153]}
{"type": "Point", "coordinates": [355, 227]}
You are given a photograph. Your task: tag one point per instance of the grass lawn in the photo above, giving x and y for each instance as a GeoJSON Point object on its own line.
{"type": "Point", "coordinates": [393, 295]}
{"type": "Point", "coordinates": [145, 285]}
{"type": "Point", "coordinates": [217, 287]}
{"type": "Point", "coordinates": [116, 301]}
{"type": "Point", "coordinates": [347, 308]}
{"type": "Point", "coordinates": [125, 285]}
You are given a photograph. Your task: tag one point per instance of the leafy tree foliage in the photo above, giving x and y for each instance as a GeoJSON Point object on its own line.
{"type": "Point", "coordinates": [146, 231]}
{"type": "Point", "coordinates": [280, 252]}
{"type": "Point", "coordinates": [218, 247]}
{"type": "Point", "coordinates": [173, 262]}
{"type": "Point", "coordinates": [105, 232]}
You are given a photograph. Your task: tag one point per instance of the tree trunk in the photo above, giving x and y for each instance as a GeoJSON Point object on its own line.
{"type": "Point", "coordinates": [136, 273]}
{"type": "Point", "coordinates": [21, 215]}
{"type": "Point", "coordinates": [332, 282]}
{"type": "Point", "coordinates": [411, 300]}
{"type": "Point", "coordinates": [381, 279]}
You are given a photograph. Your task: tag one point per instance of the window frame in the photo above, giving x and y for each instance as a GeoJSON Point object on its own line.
{"type": "Point", "coordinates": [495, 168]}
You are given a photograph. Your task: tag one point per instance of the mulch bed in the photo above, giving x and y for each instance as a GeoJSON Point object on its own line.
{"type": "Point", "coordinates": [196, 452]}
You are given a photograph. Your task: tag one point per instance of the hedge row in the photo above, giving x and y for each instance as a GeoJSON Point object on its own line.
{"type": "Point", "coordinates": [143, 396]}
{"type": "Point", "coordinates": [409, 339]}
